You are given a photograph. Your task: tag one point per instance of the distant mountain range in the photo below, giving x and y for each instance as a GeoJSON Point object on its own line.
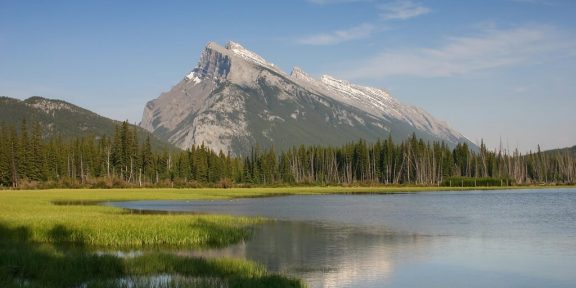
{"type": "Point", "coordinates": [234, 99]}
{"type": "Point", "coordinates": [62, 119]}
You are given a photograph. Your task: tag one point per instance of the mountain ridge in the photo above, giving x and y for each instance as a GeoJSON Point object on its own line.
{"type": "Point", "coordinates": [234, 99]}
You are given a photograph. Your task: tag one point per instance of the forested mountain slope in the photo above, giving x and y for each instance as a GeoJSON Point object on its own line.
{"type": "Point", "coordinates": [59, 118]}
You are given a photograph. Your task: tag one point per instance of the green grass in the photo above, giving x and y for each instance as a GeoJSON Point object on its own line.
{"type": "Point", "coordinates": [47, 245]}
{"type": "Point", "coordinates": [111, 227]}
{"type": "Point", "coordinates": [27, 264]}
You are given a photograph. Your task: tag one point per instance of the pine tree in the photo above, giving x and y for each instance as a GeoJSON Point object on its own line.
{"type": "Point", "coordinates": [36, 161]}
{"type": "Point", "coordinates": [23, 152]}
{"type": "Point", "coordinates": [146, 159]}
{"type": "Point", "coordinates": [5, 147]}
{"type": "Point", "coordinates": [14, 156]}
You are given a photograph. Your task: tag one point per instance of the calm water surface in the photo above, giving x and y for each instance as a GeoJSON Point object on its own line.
{"type": "Point", "coordinates": [524, 238]}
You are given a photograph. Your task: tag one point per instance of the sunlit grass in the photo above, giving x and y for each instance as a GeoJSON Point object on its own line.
{"type": "Point", "coordinates": [107, 226]}
{"type": "Point", "coordinates": [48, 245]}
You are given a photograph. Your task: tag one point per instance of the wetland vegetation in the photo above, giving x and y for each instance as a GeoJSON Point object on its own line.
{"type": "Point", "coordinates": [47, 245]}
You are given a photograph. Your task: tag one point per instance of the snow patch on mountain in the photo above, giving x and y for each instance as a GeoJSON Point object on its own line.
{"type": "Point", "coordinates": [247, 54]}
{"type": "Point", "coordinates": [192, 76]}
{"type": "Point", "coordinates": [379, 103]}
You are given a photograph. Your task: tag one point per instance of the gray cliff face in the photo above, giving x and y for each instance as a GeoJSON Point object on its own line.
{"type": "Point", "coordinates": [234, 100]}
{"type": "Point", "coordinates": [213, 63]}
{"type": "Point", "coordinates": [190, 112]}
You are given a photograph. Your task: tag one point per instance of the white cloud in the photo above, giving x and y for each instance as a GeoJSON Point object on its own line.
{"type": "Point", "coordinates": [402, 10]}
{"type": "Point", "coordinates": [395, 10]}
{"type": "Point", "coordinates": [461, 55]}
{"type": "Point", "coordinates": [338, 36]}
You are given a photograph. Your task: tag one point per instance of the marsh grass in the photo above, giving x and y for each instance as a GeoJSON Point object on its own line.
{"type": "Point", "coordinates": [27, 264]}
{"type": "Point", "coordinates": [50, 239]}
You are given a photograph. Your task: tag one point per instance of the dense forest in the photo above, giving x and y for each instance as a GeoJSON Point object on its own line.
{"type": "Point", "coordinates": [27, 160]}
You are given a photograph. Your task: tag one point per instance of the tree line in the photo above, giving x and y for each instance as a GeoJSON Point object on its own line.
{"type": "Point", "coordinates": [27, 160]}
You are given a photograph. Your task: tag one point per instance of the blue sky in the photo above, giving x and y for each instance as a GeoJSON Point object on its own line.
{"type": "Point", "coordinates": [499, 70]}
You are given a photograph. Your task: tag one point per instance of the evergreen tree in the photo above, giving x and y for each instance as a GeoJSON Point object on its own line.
{"type": "Point", "coordinates": [146, 159]}
{"type": "Point", "coordinates": [26, 156]}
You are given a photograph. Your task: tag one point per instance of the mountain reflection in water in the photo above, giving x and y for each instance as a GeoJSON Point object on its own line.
{"type": "Point", "coordinates": [324, 255]}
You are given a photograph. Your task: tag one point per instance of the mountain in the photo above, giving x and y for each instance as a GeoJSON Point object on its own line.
{"type": "Point", "coordinates": [569, 150]}
{"type": "Point", "coordinates": [60, 118]}
{"type": "Point", "coordinates": [235, 99]}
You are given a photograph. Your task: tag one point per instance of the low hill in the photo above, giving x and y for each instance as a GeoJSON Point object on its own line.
{"type": "Point", "coordinates": [63, 119]}
{"type": "Point", "coordinates": [571, 150]}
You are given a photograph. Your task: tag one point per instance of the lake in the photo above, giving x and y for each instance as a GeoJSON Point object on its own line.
{"type": "Point", "coordinates": [509, 238]}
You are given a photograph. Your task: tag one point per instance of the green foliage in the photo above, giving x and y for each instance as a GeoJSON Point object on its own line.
{"type": "Point", "coordinates": [27, 160]}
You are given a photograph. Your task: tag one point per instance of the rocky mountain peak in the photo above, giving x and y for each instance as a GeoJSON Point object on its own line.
{"type": "Point", "coordinates": [213, 64]}
{"type": "Point", "coordinates": [232, 62]}
{"type": "Point", "coordinates": [298, 73]}
{"type": "Point", "coordinates": [234, 99]}
{"type": "Point", "coordinates": [246, 54]}
{"type": "Point", "coordinates": [231, 45]}
{"type": "Point", "coordinates": [331, 81]}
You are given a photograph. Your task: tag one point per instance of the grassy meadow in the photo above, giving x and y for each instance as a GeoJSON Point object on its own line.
{"type": "Point", "coordinates": [47, 245]}
{"type": "Point", "coordinates": [49, 238]}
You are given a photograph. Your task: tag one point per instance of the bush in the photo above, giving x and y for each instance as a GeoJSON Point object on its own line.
{"type": "Point", "coordinates": [224, 183]}
{"type": "Point", "coordinates": [475, 182]}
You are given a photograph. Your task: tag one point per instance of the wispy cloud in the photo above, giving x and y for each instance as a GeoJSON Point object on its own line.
{"type": "Point", "coordinates": [391, 10]}
{"type": "Point", "coordinates": [490, 49]}
{"type": "Point", "coordinates": [338, 36]}
{"type": "Point", "coordinates": [402, 10]}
